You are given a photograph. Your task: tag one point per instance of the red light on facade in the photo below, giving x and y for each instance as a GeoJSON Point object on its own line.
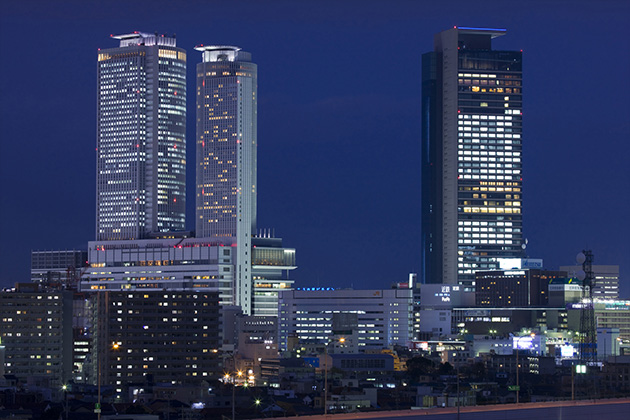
{"type": "Point", "coordinates": [174, 200]}
{"type": "Point", "coordinates": [233, 245]}
{"type": "Point", "coordinates": [175, 93]}
{"type": "Point", "coordinates": [458, 111]}
{"type": "Point", "coordinates": [137, 145]}
{"type": "Point", "coordinates": [174, 146]}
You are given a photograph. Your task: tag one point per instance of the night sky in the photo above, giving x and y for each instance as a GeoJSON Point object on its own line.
{"type": "Point", "coordinates": [339, 89]}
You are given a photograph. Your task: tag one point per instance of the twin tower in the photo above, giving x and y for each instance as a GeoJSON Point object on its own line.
{"type": "Point", "coordinates": [141, 141]}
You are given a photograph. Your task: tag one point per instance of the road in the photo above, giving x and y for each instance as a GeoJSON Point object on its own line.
{"type": "Point", "coordinates": [557, 410]}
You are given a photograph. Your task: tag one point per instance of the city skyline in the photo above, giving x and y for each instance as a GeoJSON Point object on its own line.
{"type": "Point", "coordinates": [341, 153]}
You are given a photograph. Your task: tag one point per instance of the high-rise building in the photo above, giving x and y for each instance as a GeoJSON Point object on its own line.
{"type": "Point", "coordinates": [36, 331]}
{"type": "Point", "coordinates": [141, 137]}
{"type": "Point", "coordinates": [471, 164]}
{"type": "Point", "coordinates": [226, 156]}
{"type": "Point", "coordinates": [155, 336]}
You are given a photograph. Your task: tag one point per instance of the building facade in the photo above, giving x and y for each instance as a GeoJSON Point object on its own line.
{"type": "Point", "coordinates": [58, 267]}
{"type": "Point", "coordinates": [514, 288]}
{"type": "Point", "coordinates": [471, 163]}
{"type": "Point", "coordinates": [141, 137]}
{"type": "Point", "coordinates": [271, 266]}
{"type": "Point", "coordinates": [605, 280]}
{"type": "Point", "coordinates": [36, 331]}
{"type": "Point", "coordinates": [158, 264]}
{"type": "Point", "coordinates": [149, 337]}
{"type": "Point", "coordinates": [382, 318]}
{"type": "Point", "coordinates": [226, 156]}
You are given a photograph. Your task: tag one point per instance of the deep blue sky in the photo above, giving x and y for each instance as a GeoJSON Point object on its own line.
{"type": "Point", "coordinates": [338, 123]}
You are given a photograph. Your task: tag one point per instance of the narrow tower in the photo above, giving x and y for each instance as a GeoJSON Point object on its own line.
{"type": "Point", "coordinates": [226, 156]}
{"type": "Point", "coordinates": [471, 163]}
{"type": "Point", "coordinates": [141, 138]}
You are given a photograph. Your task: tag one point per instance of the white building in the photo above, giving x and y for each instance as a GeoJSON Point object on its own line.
{"type": "Point", "coordinates": [173, 264]}
{"type": "Point", "coordinates": [226, 156]}
{"type": "Point", "coordinates": [141, 137]}
{"type": "Point", "coordinates": [383, 317]}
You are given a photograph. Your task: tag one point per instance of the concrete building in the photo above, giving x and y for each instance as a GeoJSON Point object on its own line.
{"type": "Point", "coordinates": [605, 279]}
{"type": "Point", "coordinates": [157, 264]}
{"type": "Point", "coordinates": [141, 137]}
{"type": "Point", "coordinates": [471, 163]}
{"type": "Point", "coordinates": [226, 157]}
{"type": "Point", "coordinates": [190, 264]}
{"type": "Point", "coordinates": [383, 317]}
{"type": "Point", "coordinates": [434, 303]}
{"type": "Point", "coordinates": [503, 321]}
{"type": "Point", "coordinates": [271, 267]}
{"type": "Point", "coordinates": [613, 315]}
{"type": "Point", "coordinates": [58, 267]}
{"type": "Point", "coordinates": [156, 336]}
{"type": "Point", "coordinates": [514, 288]}
{"type": "Point", "coordinates": [36, 332]}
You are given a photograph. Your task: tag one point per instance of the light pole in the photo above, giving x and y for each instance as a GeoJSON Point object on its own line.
{"type": "Point", "coordinates": [518, 387]}
{"type": "Point", "coordinates": [458, 403]}
{"type": "Point", "coordinates": [227, 377]}
{"type": "Point", "coordinates": [65, 397]}
{"type": "Point", "coordinates": [341, 340]}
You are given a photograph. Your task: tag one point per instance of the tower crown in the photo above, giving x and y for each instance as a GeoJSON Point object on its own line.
{"type": "Point", "coordinates": [214, 53]}
{"type": "Point", "coordinates": [143, 38]}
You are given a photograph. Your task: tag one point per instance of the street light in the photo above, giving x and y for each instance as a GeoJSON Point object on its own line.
{"type": "Point", "coordinates": [227, 377]}
{"type": "Point", "coordinates": [341, 340]}
{"type": "Point", "coordinates": [65, 397]}
{"type": "Point", "coordinates": [518, 387]}
{"type": "Point", "coordinates": [440, 344]}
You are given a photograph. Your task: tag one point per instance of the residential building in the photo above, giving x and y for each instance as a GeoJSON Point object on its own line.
{"type": "Point", "coordinates": [36, 332]}
{"type": "Point", "coordinates": [226, 157]}
{"type": "Point", "coordinates": [141, 137]}
{"type": "Point", "coordinates": [471, 163]}
{"type": "Point", "coordinates": [156, 336]}
{"type": "Point", "coordinates": [383, 317]}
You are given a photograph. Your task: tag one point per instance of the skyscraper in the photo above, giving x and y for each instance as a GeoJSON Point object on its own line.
{"type": "Point", "coordinates": [471, 164]}
{"type": "Point", "coordinates": [141, 137]}
{"type": "Point", "coordinates": [226, 156]}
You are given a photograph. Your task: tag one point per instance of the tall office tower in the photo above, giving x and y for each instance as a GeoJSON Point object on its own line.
{"type": "Point", "coordinates": [226, 156]}
{"type": "Point", "coordinates": [141, 138]}
{"type": "Point", "coordinates": [471, 164]}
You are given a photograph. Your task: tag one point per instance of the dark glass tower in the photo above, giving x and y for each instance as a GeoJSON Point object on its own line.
{"type": "Point", "coordinates": [471, 163]}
